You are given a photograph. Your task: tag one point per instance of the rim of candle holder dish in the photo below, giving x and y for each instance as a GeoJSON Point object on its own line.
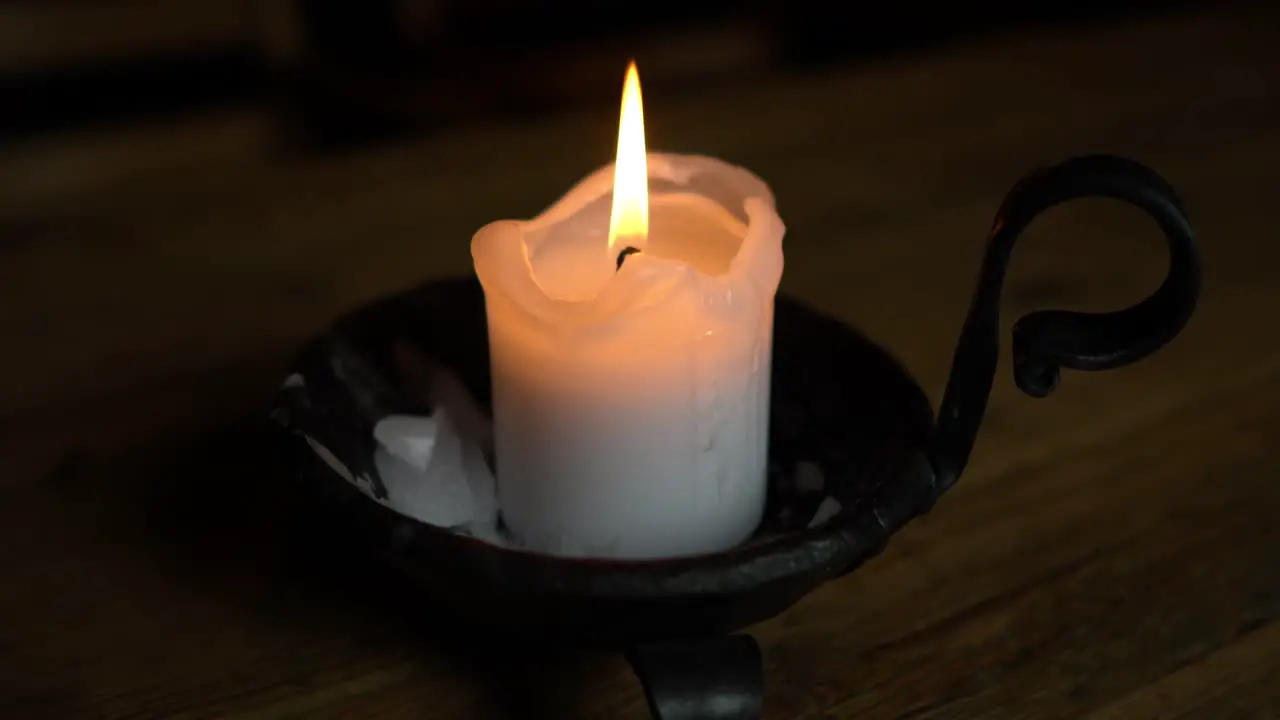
{"type": "Point", "coordinates": [830, 549]}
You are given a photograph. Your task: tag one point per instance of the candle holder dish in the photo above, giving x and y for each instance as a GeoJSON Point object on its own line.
{"type": "Point", "coordinates": [855, 453]}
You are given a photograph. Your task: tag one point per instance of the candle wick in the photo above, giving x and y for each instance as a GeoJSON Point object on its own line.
{"type": "Point", "coordinates": [625, 252]}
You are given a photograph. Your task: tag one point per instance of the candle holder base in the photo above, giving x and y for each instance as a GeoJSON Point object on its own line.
{"type": "Point", "coordinates": [847, 466]}
{"type": "Point", "coordinates": [706, 678]}
{"type": "Point", "coordinates": [854, 454]}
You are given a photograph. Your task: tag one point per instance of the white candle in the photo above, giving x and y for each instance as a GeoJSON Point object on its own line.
{"type": "Point", "coordinates": [631, 405]}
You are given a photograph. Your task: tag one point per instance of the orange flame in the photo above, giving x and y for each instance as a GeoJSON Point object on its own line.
{"type": "Point", "coordinates": [629, 215]}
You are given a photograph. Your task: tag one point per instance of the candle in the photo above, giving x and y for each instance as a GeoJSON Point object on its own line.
{"type": "Point", "coordinates": [631, 394]}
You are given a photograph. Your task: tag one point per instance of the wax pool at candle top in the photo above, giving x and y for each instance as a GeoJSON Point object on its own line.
{"type": "Point", "coordinates": [694, 229]}
{"type": "Point", "coordinates": [572, 261]}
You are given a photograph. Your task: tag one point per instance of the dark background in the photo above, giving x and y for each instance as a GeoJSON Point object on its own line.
{"type": "Point", "coordinates": [344, 71]}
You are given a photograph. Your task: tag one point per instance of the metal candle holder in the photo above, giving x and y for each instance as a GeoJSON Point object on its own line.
{"type": "Point", "coordinates": [839, 402]}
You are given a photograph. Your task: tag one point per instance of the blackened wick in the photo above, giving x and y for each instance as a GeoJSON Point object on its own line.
{"type": "Point", "coordinates": [622, 256]}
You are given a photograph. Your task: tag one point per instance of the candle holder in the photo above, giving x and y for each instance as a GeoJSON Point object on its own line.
{"type": "Point", "coordinates": [855, 453]}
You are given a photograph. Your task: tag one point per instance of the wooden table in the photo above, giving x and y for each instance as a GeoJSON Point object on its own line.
{"type": "Point", "coordinates": [1113, 552]}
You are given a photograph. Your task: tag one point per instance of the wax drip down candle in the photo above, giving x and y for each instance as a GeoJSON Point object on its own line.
{"type": "Point", "coordinates": [630, 335]}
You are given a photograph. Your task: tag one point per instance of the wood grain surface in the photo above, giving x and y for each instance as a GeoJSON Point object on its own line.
{"type": "Point", "coordinates": [1113, 552]}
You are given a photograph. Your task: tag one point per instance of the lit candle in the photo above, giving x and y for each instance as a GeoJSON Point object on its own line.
{"type": "Point", "coordinates": [631, 395]}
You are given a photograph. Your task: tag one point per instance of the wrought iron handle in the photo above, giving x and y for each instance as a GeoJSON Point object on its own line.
{"type": "Point", "coordinates": [1047, 340]}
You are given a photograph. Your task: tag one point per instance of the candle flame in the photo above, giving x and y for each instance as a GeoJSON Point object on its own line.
{"type": "Point", "coordinates": [629, 215]}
